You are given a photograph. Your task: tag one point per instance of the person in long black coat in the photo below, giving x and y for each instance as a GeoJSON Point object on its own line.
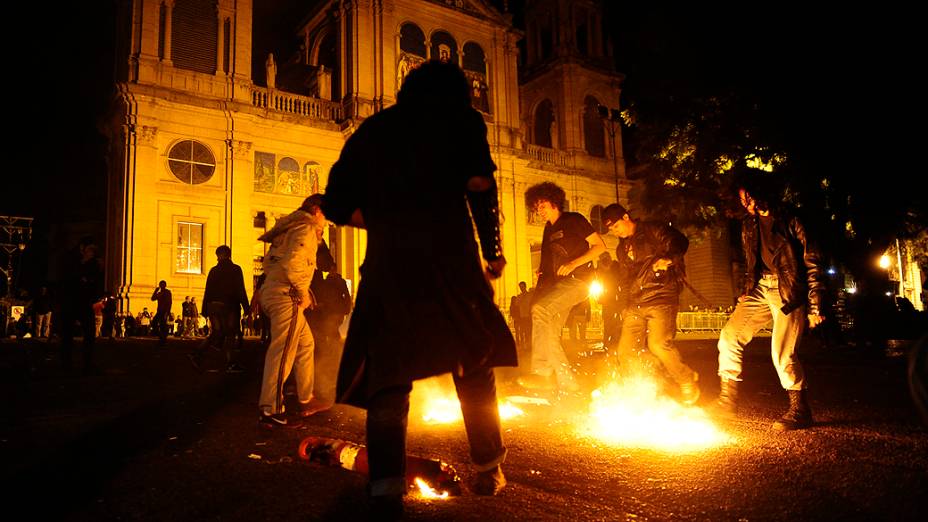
{"type": "Point", "coordinates": [424, 305]}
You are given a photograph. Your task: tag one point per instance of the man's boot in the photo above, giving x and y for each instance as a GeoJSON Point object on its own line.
{"type": "Point", "coordinates": [726, 406]}
{"type": "Point", "coordinates": [689, 391]}
{"type": "Point", "coordinates": [798, 416]}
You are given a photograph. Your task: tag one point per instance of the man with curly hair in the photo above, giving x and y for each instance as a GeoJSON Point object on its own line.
{"type": "Point", "coordinates": [568, 248]}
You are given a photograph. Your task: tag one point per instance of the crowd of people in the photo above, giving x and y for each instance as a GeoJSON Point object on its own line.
{"type": "Point", "coordinates": [425, 305]}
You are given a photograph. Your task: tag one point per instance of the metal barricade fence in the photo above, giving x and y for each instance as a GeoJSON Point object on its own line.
{"type": "Point", "coordinates": [705, 322]}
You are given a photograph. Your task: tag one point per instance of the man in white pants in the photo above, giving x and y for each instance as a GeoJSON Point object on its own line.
{"type": "Point", "coordinates": [289, 266]}
{"type": "Point", "coordinates": [783, 283]}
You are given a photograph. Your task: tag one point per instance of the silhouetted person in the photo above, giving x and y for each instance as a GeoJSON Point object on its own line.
{"type": "Point", "coordinates": [424, 306]}
{"type": "Point", "coordinates": [224, 294]}
{"type": "Point", "coordinates": [334, 303]}
{"type": "Point", "coordinates": [42, 307]}
{"type": "Point", "coordinates": [163, 296]}
{"type": "Point", "coordinates": [520, 309]}
{"type": "Point", "coordinates": [81, 286]}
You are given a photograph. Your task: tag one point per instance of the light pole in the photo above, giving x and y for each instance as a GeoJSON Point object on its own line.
{"type": "Point", "coordinates": [16, 233]}
{"type": "Point", "coordinates": [612, 118]}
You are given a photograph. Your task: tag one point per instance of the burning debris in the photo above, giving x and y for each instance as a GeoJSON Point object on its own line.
{"type": "Point", "coordinates": [432, 478]}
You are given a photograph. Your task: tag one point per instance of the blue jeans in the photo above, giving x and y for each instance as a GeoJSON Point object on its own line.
{"type": "Point", "coordinates": [387, 418]}
{"type": "Point", "coordinates": [549, 313]}
{"type": "Point", "coordinates": [653, 328]}
{"type": "Point", "coordinates": [752, 314]}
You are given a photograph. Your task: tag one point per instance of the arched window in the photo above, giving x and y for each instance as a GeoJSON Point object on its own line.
{"type": "Point", "coordinates": [328, 58]}
{"type": "Point", "coordinates": [544, 120]}
{"type": "Point", "coordinates": [474, 59]}
{"type": "Point", "coordinates": [444, 47]}
{"type": "Point", "coordinates": [311, 177]}
{"type": "Point", "coordinates": [593, 131]}
{"type": "Point", "coordinates": [412, 40]}
{"type": "Point", "coordinates": [288, 177]}
{"type": "Point", "coordinates": [191, 162]}
{"type": "Point", "coordinates": [412, 51]}
{"type": "Point", "coordinates": [475, 68]}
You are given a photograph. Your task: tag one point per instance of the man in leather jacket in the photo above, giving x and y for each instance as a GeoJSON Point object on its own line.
{"type": "Point", "coordinates": [653, 257]}
{"type": "Point", "coordinates": [783, 283]}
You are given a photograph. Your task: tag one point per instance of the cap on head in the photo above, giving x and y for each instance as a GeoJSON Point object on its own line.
{"type": "Point", "coordinates": [613, 213]}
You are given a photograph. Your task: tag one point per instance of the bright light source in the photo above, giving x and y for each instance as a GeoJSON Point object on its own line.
{"type": "Point", "coordinates": [596, 289]}
{"type": "Point", "coordinates": [634, 413]}
{"type": "Point", "coordinates": [832, 271]}
{"type": "Point", "coordinates": [851, 290]}
{"type": "Point", "coordinates": [889, 294]}
{"type": "Point", "coordinates": [885, 261]}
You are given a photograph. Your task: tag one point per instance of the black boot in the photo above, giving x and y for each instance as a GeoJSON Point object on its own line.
{"type": "Point", "coordinates": [798, 416]}
{"type": "Point", "coordinates": [726, 406]}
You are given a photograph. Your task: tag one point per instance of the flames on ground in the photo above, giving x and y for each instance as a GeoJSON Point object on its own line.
{"type": "Point", "coordinates": [627, 413]}
{"type": "Point", "coordinates": [633, 413]}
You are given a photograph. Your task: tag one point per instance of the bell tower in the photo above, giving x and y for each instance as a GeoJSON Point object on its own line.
{"type": "Point", "coordinates": [568, 75]}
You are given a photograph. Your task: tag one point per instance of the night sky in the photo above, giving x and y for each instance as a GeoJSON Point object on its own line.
{"type": "Point", "coordinates": [839, 83]}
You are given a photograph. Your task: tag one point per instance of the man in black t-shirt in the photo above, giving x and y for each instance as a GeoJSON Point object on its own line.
{"type": "Point", "coordinates": [568, 247]}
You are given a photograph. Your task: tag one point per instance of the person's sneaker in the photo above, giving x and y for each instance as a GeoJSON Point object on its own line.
{"type": "Point", "coordinates": [277, 421]}
{"type": "Point", "coordinates": [312, 407]}
{"type": "Point", "coordinates": [235, 368]}
{"type": "Point", "coordinates": [490, 482]}
{"type": "Point", "coordinates": [195, 361]}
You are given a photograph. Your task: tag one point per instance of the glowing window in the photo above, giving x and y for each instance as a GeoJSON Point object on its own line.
{"type": "Point", "coordinates": [191, 162]}
{"type": "Point", "coordinates": [189, 248]}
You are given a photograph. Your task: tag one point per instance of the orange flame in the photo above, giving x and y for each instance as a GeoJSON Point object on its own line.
{"type": "Point", "coordinates": [447, 410]}
{"type": "Point", "coordinates": [426, 491]}
{"type": "Point", "coordinates": [632, 414]}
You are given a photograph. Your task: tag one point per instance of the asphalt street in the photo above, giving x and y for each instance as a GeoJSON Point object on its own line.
{"type": "Point", "coordinates": [151, 439]}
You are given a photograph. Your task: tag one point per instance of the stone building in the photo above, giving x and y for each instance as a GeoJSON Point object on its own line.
{"type": "Point", "coordinates": [206, 152]}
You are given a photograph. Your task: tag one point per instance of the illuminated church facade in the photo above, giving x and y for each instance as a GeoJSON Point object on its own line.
{"type": "Point", "coordinates": [205, 152]}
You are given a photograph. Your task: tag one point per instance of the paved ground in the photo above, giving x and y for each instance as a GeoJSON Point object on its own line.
{"type": "Point", "coordinates": [153, 440]}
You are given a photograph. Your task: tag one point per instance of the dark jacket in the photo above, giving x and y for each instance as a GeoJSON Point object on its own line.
{"type": "Point", "coordinates": [82, 282]}
{"type": "Point", "coordinates": [798, 268]}
{"type": "Point", "coordinates": [225, 283]}
{"type": "Point", "coordinates": [423, 305]}
{"type": "Point", "coordinates": [653, 241]}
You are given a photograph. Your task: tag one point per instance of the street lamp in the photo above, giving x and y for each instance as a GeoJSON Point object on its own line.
{"type": "Point", "coordinates": [612, 118]}
{"type": "Point", "coordinates": [16, 233]}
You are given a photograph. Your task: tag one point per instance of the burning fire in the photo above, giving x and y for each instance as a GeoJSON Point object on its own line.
{"type": "Point", "coordinates": [427, 491]}
{"type": "Point", "coordinates": [446, 410]}
{"type": "Point", "coordinates": [435, 402]}
{"type": "Point", "coordinates": [632, 414]}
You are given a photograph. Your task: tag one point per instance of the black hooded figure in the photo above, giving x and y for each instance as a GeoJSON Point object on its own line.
{"type": "Point", "coordinates": [424, 305]}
